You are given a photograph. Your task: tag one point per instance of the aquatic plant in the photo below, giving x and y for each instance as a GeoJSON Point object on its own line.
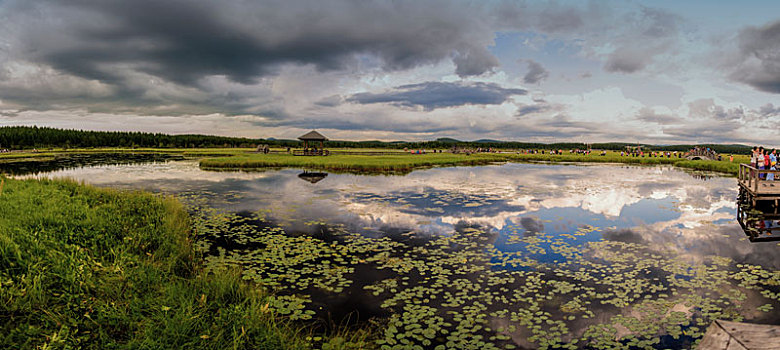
{"type": "Point", "coordinates": [458, 290]}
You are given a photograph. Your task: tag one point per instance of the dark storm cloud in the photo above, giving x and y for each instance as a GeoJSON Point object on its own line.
{"type": "Point", "coordinates": [183, 41]}
{"type": "Point", "coordinates": [432, 95]}
{"type": "Point", "coordinates": [760, 57]}
{"type": "Point", "coordinates": [536, 73]}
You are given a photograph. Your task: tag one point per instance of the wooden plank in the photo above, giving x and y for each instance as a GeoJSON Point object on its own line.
{"type": "Point", "coordinates": [715, 338]}
{"type": "Point", "coordinates": [751, 336]}
{"type": "Point", "coordinates": [736, 346]}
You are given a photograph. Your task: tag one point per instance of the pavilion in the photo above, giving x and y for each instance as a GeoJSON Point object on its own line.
{"type": "Point", "coordinates": [313, 137]}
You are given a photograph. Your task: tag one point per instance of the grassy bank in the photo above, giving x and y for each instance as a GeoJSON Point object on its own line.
{"type": "Point", "coordinates": [82, 267]}
{"type": "Point", "coordinates": [407, 162]}
{"type": "Point", "coordinates": [723, 166]}
{"type": "Point", "coordinates": [351, 163]}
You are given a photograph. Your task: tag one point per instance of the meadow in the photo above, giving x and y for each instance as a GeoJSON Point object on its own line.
{"type": "Point", "coordinates": [84, 267]}
{"type": "Point", "coordinates": [406, 162]}
{"type": "Point", "coordinates": [401, 163]}
{"type": "Point", "coordinates": [392, 161]}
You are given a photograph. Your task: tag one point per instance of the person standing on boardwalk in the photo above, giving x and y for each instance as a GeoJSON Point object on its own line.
{"type": "Point", "coordinates": [753, 157]}
{"type": "Point", "coordinates": [772, 165]}
{"type": "Point", "coordinates": [766, 161]}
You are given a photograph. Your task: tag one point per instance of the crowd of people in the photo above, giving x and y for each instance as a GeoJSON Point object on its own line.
{"type": "Point", "coordinates": [467, 151]}
{"type": "Point", "coordinates": [651, 154]}
{"type": "Point", "coordinates": [420, 151]}
{"type": "Point", "coordinates": [703, 151]}
{"type": "Point", "coordinates": [552, 151]}
{"type": "Point", "coordinates": [764, 159]}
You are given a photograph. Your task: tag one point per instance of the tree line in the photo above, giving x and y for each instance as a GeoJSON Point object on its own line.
{"type": "Point", "coordinates": [27, 137]}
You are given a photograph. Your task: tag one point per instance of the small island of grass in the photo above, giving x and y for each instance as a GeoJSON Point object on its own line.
{"type": "Point", "coordinates": [387, 163]}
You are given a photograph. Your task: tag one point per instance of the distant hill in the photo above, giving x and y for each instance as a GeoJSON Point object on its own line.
{"type": "Point", "coordinates": [488, 141]}
{"type": "Point", "coordinates": [447, 140]}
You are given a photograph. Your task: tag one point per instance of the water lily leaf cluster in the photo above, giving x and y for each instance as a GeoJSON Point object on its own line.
{"type": "Point", "coordinates": [461, 290]}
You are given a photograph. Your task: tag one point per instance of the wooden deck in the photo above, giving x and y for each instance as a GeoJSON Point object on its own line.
{"type": "Point", "coordinates": [753, 181]}
{"type": "Point", "coordinates": [310, 152]}
{"type": "Point", "coordinates": [725, 335]}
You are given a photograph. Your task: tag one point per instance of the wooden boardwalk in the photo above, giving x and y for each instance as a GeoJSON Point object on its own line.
{"type": "Point", "coordinates": [725, 335]}
{"type": "Point", "coordinates": [752, 181]}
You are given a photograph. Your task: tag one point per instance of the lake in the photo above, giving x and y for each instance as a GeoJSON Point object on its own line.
{"type": "Point", "coordinates": [501, 256]}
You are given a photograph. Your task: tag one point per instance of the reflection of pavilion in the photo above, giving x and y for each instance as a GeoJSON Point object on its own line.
{"type": "Point", "coordinates": [312, 177]}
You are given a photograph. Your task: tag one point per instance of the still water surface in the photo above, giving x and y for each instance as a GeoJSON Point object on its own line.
{"type": "Point", "coordinates": [513, 255]}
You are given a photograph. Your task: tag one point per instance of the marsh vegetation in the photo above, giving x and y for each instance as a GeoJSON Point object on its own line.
{"type": "Point", "coordinates": [406, 162]}
{"type": "Point", "coordinates": [499, 256]}
{"type": "Point", "coordinates": [84, 267]}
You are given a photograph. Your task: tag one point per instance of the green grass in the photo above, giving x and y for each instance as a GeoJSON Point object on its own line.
{"type": "Point", "coordinates": [708, 165]}
{"type": "Point", "coordinates": [246, 158]}
{"type": "Point", "coordinates": [351, 163]}
{"type": "Point", "coordinates": [723, 166]}
{"type": "Point", "coordinates": [82, 267]}
{"type": "Point", "coordinates": [403, 163]}
{"type": "Point", "coordinates": [611, 157]}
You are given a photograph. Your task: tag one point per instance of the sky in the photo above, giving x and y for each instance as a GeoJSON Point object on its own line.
{"type": "Point", "coordinates": [662, 72]}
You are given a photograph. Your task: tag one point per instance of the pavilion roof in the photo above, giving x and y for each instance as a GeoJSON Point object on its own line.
{"type": "Point", "coordinates": [313, 136]}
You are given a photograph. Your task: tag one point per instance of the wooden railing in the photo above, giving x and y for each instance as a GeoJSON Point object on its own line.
{"type": "Point", "coordinates": [750, 177]}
